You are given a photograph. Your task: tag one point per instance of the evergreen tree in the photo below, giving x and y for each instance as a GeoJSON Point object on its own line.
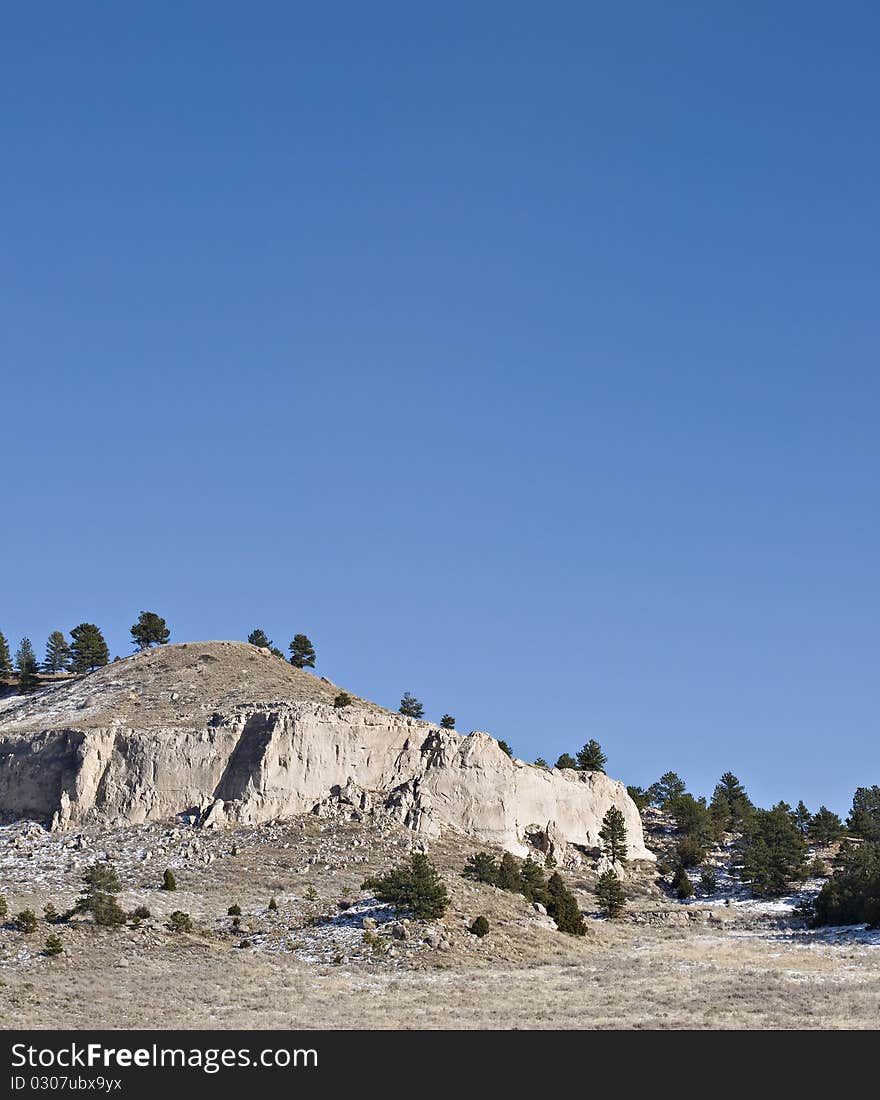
{"type": "Point", "coordinates": [169, 882]}
{"type": "Point", "coordinates": [563, 907]}
{"type": "Point", "coordinates": [417, 887]}
{"type": "Point", "coordinates": [640, 796]}
{"type": "Point", "coordinates": [852, 894]}
{"type": "Point", "coordinates": [610, 894]}
{"type": "Point", "coordinates": [825, 826]}
{"type": "Point", "coordinates": [149, 630]}
{"type": "Point", "coordinates": [343, 699]}
{"type": "Point", "coordinates": [480, 927]}
{"type": "Point", "coordinates": [667, 788]}
{"type": "Point", "coordinates": [302, 652]}
{"type": "Point", "coordinates": [689, 851]}
{"type": "Point", "coordinates": [102, 883]}
{"type": "Point", "coordinates": [260, 639]}
{"type": "Point", "coordinates": [802, 817]}
{"type": "Point", "coordinates": [88, 649]}
{"type": "Point", "coordinates": [180, 921]}
{"type": "Point", "coordinates": [566, 761]}
{"type": "Point", "coordinates": [730, 804]}
{"type": "Point", "coordinates": [481, 867]}
{"type": "Point", "coordinates": [864, 817]}
{"type": "Point", "coordinates": [692, 819]}
{"type": "Point", "coordinates": [508, 874]}
{"type": "Point", "coordinates": [54, 945]}
{"type": "Point", "coordinates": [531, 881]}
{"type": "Point", "coordinates": [4, 908]}
{"type": "Point", "coordinates": [591, 758]}
{"type": "Point", "coordinates": [447, 722]}
{"type": "Point", "coordinates": [505, 748]}
{"type": "Point", "coordinates": [411, 707]}
{"type": "Point", "coordinates": [613, 834]}
{"type": "Point", "coordinates": [540, 762]}
{"type": "Point", "coordinates": [26, 921]}
{"type": "Point", "coordinates": [57, 653]}
{"type": "Point", "coordinates": [26, 665]}
{"type": "Point", "coordinates": [5, 658]}
{"type": "Point", "coordinates": [708, 879]}
{"type": "Point", "coordinates": [773, 851]}
{"type": "Point", "coordinates": [681, 883]}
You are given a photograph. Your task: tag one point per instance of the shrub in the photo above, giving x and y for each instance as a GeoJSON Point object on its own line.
{"type": "Point", "coordinates": [169, 882]}
{"type": "Point", "coordinates": [233, 851]}
{"type": "Point", "coordinates": [180, 922]}
{"type": "Point", "coordinates": [26, 921]}
{"type": "Point", "coordinates": [233, 911]}
{"type": "Point", "coordinates": [343, 699]}
{"type": "Point", "coordinates": [540, 762]}
{"type": "Point", "coordinates": [708, 880]}
{"type": "Point", "coordinates": [106, 911]}
{"type": "Point", "coordinates": [481, 867]}
{"type": "Point", "coordinates": [273, 905]}
{"type": "Point", "coordinates": [480, 927]}
{"type": "Point", "coordinates": [141, 913]}
{"type": "Point", "coordinates": [417, 887]}
{"type": "Point", "coordinates": [563, 907]}
{"type": "Point", "coordinates": [690, 851]}
{"type": "Point", "coordinates": [4, 908]}
{"type": "Point", "coordinates": [101, 878]}
{"type": "Point", "coordinates": [50, 913]}
{"type": "Point", "coordinates": [311, 894]}
{"type": "Point", "coordinates": [610, 895]}
{"type": "Point", "coordinates": [54, 946]}
{"type": "Point", "coordinates": [817, 868]}
{"type": "Point", "coordinates": [682, 884]}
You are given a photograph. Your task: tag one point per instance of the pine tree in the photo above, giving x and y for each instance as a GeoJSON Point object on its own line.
{"type": "Point", "coordinates": [102, 883]}
{"type": "Point", "coordinates": [481, 867]}
{"type": "Point", "coordinates": [5, 658]}
{"type": "Point", "coordinates": [169, 882]}
{"type": "Point", "coordinates": [260, 638]}
{"type": "Point", "coordinates": [505, 748]}
{"type": "Point", "coordinates": [610, 894]}
{"type": "Point", "coordinates": [149, 630]}
{"type": "Point", "coordinates": [708, 879]}
{"type": "Point", "coordinates": [591, 758]}
{"type": "Point", "coordinates": [864, 817]}
{"type": "Point", "coordinates": [563, 907]}
{"type": "Point", "coordinates": [532, 884]}
{"type": "Point", "coordinates": [681, 883]}
{"type": "Point", "coordinates": [57, 653]}
{"type": "Point", "coordinates": [26, 665]}
{"type": "Point", "coordinates": [825, 826]}
{"type": "Point", "coordinates": [730, 805]}
{"type": "Point", "coordinates": [480, 927]}
{"type": "Point", "coordinates": [613, 834]}
{"type": "Point", "coordinates": [667, 788]}
{"type": "Point", "coordinates": [54, 945]}
{"type": "Point", "coordinates": [26, 921]}
{"type": "Point", "coordinates": [88, 649]}
{"type": "Point", "coordinates": [417, 887]}
{"type": "Point", "coordinates": [773, 851]}
{"type": "Point", "coordinates": [508, 874]}
{"type": "Point", "coordinates": [411, 707]}
{"type": "Point", "coordinates": [302, 652]}
{"type": "Point", "coordinates": [802, 817]}
{"type": "Point", "coordinates": [447, 722]}
{"type": "Point", "coordinates": [566, 761]}
{"type": "Point", "coordinates": [540, 762]}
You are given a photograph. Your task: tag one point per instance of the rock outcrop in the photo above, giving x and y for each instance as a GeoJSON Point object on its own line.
{"type": "Point", "coordinates": [187, 728]}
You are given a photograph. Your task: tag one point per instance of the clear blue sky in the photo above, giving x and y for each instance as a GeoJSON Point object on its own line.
{"type": "Point", "coordinates": [523, 356]}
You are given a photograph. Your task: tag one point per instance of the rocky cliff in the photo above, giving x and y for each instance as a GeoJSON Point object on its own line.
{"type": "Point", "coordinates": [235, 734]}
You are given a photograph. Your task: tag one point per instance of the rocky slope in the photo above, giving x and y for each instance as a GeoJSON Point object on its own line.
{"type": "Point", "coordinates": [235, 734]}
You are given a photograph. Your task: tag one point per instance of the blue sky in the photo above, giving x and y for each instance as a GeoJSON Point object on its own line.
{"type": "Point", "coordinates": [525, 358]}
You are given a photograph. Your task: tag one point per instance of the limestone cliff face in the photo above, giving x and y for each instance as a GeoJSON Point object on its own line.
{"type": "Point", "coordinates": [172, 730]}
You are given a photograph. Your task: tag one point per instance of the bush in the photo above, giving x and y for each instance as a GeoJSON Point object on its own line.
{"type": "Point", "coordinates": [4, 908]}
{"type": "Point", "coordinates": [852, 894]}
{"type": "Point", "coordinates": [101, 878]}
{"type": "Point", "coordinates": [817, 868]}
{"type": "Point", "coordinates": [180, 922]}
{"type": "Point", "coordinates": [481, 867]}
{"type": "Point", "coordinates": [26, 921]}
{"type": "Point", "coordinates": [311, 894]}
{"type": "Point", "coordinates": [233, 911]}
{"type": "Point", "coordinates": [682, 884]}
{"type": "Point", "coordinates": [343, 699]}
{"type": "Point", "coordinates": [169, 882]}
{"type": "Point", "coordinates": [54, 946]}
{"type": "Point", "coordinates": [708, 880]}
{"type": "Point", "coordinates": [540, 762]}
{"type": "Point", "coordinates": [107, 911]}
{"type": "Point", "coordinates": [50, 913]}
{"type": "Point", "coordinates": [140, 913]}
{"type": "Point", "coordinates": [273, 905]}
{"type": "Point", "coordinates": [563, 907]}
{"type": "Point", "coordinates": [610, 895]}
{"type": "Point", "coordinates": [480, 927]}
{"type": "Point", "coordinates": [690, 852]}
{"type": "Point", "coordinates": [417, 887]}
